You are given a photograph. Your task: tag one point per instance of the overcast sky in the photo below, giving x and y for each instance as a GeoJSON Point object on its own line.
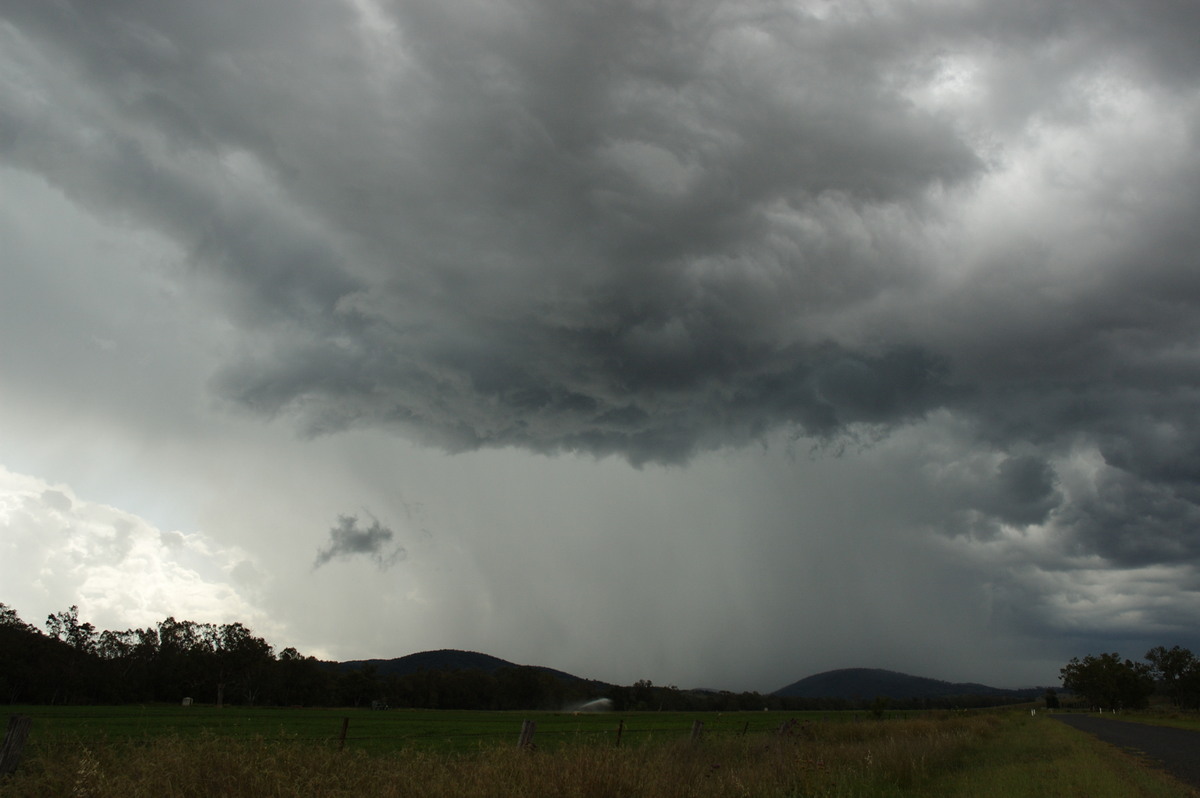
{"type": "Point", "coordinates": [712, 343]}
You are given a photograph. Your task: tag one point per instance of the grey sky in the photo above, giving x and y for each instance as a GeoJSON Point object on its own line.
{"type": "Point", "coordinates": [865, 331]}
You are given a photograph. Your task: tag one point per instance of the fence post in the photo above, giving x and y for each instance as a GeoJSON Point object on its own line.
{"type": "Point", "coordinates": [342, 738]}
{"type": "Point", "coordinates": [14, 742]}
{"type": "Point", "coordinates": [620, 731]}
{"type": "Point", "coordinates": [528, 727]}
{"type": "Point", "coordinates": [697, 729]}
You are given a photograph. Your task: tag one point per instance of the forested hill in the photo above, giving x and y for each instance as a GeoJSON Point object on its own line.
{"type": "Point", "coordinates": [448, 659]}
{"type": "Point", "coordinates": [866, 683]}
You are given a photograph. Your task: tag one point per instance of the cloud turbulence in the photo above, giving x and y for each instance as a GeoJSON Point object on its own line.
{"type": "Point", "coordinates": [946, 236]}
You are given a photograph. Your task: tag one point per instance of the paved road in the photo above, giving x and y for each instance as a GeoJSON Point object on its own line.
{"type": "Point", "coordinates": [1177, 751]}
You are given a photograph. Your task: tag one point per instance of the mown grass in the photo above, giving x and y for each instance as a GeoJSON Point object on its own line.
{"type": "Point", "coordinates": [935, 755]}
{"type": "Point", "coordinates": [1042, 758]}
{"type": "Point", "coordinates": [1163, 717]}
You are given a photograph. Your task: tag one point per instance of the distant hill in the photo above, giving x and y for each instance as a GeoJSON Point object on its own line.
{"type": "Point", "coordinates": [447, 659]}
{"type": "Point", "coordinates": [847, 683]}
{"type": "Point", "coordinates": [866, 683]}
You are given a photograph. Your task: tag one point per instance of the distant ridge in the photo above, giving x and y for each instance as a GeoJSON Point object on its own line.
{"type": "Point", "coordinates": [867, 683]}
{"type": "Point", "coordinates": [447, 659]}
{"type": "Point", "coordinates": [849, 684]}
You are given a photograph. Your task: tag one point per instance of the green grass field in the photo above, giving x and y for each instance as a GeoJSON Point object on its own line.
{"type": "Point", "coordinates": [379, 732]}
{"type": "Point", "coordinates": [200, 751]}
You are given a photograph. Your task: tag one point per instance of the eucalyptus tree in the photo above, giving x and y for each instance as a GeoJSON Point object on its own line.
{"type": "Point", "coordinates": [1108, 681]}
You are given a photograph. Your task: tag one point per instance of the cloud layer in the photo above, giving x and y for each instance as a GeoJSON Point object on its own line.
{"type": "Point", "coordinates": [587, 240]}
{"type": "Point", "coordinates": [665, 231]}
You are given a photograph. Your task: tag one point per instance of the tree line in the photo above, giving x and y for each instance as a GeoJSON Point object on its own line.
{"type": "Point", "coordinates": [1107, 681]}
{"type": "Point", "coordinates": [72, 662]}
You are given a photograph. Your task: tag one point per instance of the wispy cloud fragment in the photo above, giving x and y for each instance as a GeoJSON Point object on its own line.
{"type": "Point", "coordinates": [347, 540]}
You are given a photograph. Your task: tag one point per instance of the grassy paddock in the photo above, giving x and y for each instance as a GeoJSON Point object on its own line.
{"type": "Point", "coordinates": [381, 732]}
{"type": "Point", "coordinates": [821, 758]}
{"type": "Point", "coordinates": [936, 755]}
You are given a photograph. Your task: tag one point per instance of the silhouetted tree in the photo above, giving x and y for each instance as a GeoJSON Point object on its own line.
{"type": "Point", "coordinates": [1177, 672]}
{"type": "Point", "coordinates": [1107, 681]}
{"type": "Point", "coordinates": [237, 657]}
{"type": "Point", "coordinates": [66, 627]}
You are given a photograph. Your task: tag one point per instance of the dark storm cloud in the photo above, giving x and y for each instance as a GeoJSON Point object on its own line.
{"type": "Point", "coordinates": [347, 540]}
{"type": "Point", "coordinates": [980, 497]}
{"type": "Point", "coordinates": [560, 227]}
{"type": "Point", "coordinates": [653, 229]}
{"type": "Point", "coordinates": [1134, 522]}
{"type": "Point", "coordinates": [1023, 491]}
{"type": "Point", "coordinates": [643, 404]}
